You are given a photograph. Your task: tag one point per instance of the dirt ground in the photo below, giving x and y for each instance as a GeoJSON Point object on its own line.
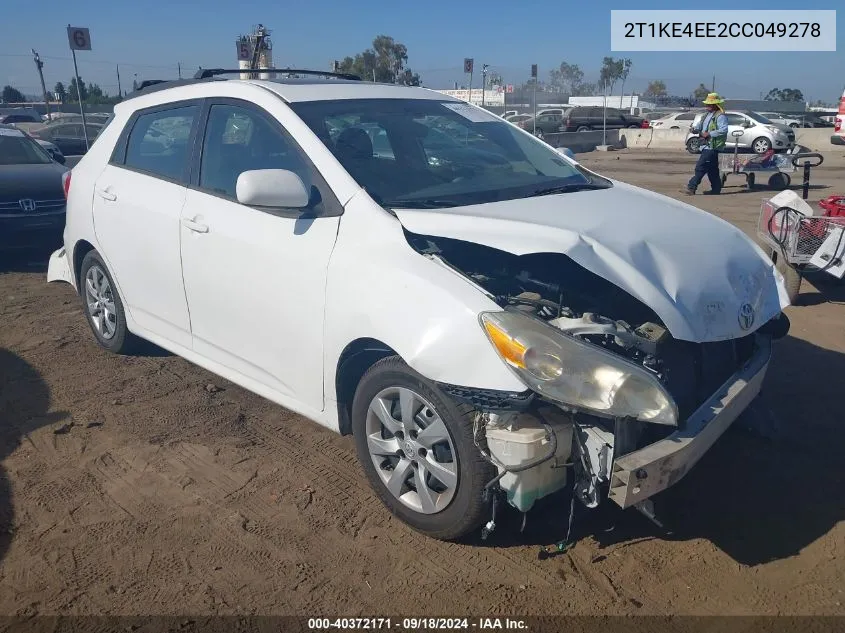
{"type": "Point", "coordinates": [145, 485]}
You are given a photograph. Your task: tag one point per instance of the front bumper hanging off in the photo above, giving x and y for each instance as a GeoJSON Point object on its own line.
{"type": "Point", "coordinates": [639, 475]}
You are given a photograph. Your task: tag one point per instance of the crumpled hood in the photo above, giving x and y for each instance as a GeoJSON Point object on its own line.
{"type": "Point", "coordinates": [704, 278]}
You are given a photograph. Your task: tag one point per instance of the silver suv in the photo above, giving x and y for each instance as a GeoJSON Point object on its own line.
{"type": "Point", "coordinates": [758, 133]}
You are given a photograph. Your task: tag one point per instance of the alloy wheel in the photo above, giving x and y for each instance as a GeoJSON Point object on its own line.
{"type": "Point", "coordinates": [99, 298]}
{"type": "Point", "coordinates": [412, 450]}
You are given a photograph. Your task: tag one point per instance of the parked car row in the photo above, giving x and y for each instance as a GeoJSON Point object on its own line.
{"type": "Point", "coordinates": [576, 119]}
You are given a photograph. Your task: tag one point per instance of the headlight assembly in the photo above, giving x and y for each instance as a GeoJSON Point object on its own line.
{"type": "Point", "coordinates": [577, 373]}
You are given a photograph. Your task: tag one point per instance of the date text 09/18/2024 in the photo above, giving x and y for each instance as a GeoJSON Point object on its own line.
{"type": "Point", "coordinates": [417, 624]}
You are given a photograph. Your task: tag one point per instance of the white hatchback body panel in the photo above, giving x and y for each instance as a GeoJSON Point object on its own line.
{"type": "Point", "coordinates": [272, 303]}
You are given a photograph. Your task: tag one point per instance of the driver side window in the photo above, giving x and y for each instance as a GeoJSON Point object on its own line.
{"type": "Point", "coordinates": [736, 120]}
{"type": "Point", "coordinates": [239, 139]}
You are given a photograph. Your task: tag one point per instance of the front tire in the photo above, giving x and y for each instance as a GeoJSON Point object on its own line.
{"type": "Point", "coordinates": [761, 145]}
{"type": "Point", "coordinates": [583, 128]}
{"type": "Point", "coordinates": [694, 145]}
{"type": "Point", "coordinates": [102, 306]}
{"type": "Point", "coordinates": [415, 445]}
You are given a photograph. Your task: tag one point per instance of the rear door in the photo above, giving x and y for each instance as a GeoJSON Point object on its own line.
{"type": "Point", "coordinates": [138, 200]}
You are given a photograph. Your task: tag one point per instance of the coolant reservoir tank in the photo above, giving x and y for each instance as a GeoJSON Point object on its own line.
{"type": "Point", "coordinates": [524, 441]}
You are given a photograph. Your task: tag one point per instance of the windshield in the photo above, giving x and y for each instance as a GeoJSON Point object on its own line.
{"type": "Point", "coordinates": [758, 117]}
{"type": "Point", "coordinates": [18, 149]}
{"type": "Point", "coordinates": [418, 153]}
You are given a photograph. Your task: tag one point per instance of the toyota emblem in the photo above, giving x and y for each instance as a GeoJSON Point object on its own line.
{"type": "Point", "coordinates": [27, 204]}
{"type": "Point", "coordinates": [746, 316]}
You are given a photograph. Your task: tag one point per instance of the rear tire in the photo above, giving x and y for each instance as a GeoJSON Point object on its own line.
{"type": "Point", "coordinates": [395, 467]}
{"type": "Point", "coordinates": [102, 306]}
{"type": "Point", "coordinates": [693, 145]}
{"type": "Point", "coordinates": [583, 128]}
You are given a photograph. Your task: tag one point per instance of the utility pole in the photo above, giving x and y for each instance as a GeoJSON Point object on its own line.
{"type": "Point", "coordinates": [535, 76]}
{"type": "Point", "coordinates": [40, 65]}
{"type": "Point", "coordinates": [119, 91]}
{"type": "Point", "coordinates": [714, 84]}
{"type": "Point", "coordinates": [483, 82]}
{"type": "Point", "coordinates": [179, 66]}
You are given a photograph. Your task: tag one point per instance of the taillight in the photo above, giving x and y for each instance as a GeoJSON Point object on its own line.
{"type": "Point", "coordinates": [645, 125]}
{"type": "Point", "coordinates": [838, 127]}
{"type": "Point", "coordinates": [66, 182]}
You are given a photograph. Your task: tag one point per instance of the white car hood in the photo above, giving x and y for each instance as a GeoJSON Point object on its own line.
{"type": "Point", "coordinates": [701, 275]}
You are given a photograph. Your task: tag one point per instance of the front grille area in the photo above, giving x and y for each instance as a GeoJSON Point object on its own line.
{"type": "Point", "coordinates": [27, 207]}
{"type": "Point", "coordinates": [695, 371]}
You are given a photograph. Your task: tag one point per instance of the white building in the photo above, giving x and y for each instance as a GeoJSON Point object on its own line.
{"type": "Point", "coordinates": [495, 97]}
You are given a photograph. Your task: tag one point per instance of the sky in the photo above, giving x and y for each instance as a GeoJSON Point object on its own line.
{"type": "Point", "coordinates": [150, 42]}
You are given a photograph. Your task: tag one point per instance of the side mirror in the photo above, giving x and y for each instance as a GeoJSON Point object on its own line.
{"type": "Point", "coordinates": [277, 188]}
{"type": "Point", "coordinates": [58, 157]}
{"type": "Point", "coordinates": [747, 124]}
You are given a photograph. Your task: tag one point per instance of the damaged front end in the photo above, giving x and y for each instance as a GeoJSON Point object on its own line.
{"type": "Point", "coordinates": [612, 398]}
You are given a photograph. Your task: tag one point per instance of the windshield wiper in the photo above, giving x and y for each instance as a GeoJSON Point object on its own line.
{"type": "Point", "coordinates": [581, 186]}
{"type": "Point", "coordinates": [429, 203]}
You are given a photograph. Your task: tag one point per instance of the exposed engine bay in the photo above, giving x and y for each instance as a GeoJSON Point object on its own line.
{"type": "Point", "coordinates": [533, 450]}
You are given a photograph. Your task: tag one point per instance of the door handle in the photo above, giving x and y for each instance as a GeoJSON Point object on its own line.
{"type": "Point", "coordinates": [106, 195]}
{"type": "Point", "coordinates": [196, 227]}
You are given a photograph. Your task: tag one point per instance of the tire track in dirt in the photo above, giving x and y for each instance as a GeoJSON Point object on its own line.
{"type": "Point", "coordinates": [339, 468]}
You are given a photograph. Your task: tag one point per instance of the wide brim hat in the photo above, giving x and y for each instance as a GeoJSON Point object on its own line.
{"type": "Point", "coordinates": [713, 99]}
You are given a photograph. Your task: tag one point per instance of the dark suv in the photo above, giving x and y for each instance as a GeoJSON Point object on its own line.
{"type": "Point", "coordinates": [583, 119]}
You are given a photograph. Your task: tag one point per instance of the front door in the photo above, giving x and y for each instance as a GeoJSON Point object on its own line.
{"type": "Point", "coordinates": [255, 278]}
{"type": "Point", "coordinates": [138, 200]}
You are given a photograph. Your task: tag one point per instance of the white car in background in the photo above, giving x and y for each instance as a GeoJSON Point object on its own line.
{"type": "Point", "coordinates": [783, 119]}
{"type": "Point", "coordinates": [675, 121]}
{"type": "Point", "coordinates": [490, 325]}
{"type": "Point", "coordinates": [759, 134]}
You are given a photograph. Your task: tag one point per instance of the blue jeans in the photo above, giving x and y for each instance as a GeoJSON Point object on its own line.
{"type": "Point", "coordinates": [708, 164]}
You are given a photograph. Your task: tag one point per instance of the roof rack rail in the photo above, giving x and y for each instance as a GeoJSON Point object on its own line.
{"type": "Point", "coordinates": [205, 73]}
{"type": "Point", "coordinates": [150, 82]}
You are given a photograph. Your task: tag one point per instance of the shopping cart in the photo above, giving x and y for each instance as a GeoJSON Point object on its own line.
{"type": "Point", "coordinates": [777, 166]}
{"type": "Point", "coordinates": [800, 243]}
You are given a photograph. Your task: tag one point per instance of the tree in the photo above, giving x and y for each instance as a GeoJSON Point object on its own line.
{"type": "Point", "coordinates": [787, 94]}
{"type": "Point", "coordinates": [566, 78]}
{"type": "Point", "coordinates": [584, 90]}
{"type": "Point", "coordinates": [384, 62]}
{"type": "Point", "coordinates": [12, 95]}
{"type": "Point", "coordinates": [623, 74]}
{"type": "Point", "coordinates": [656, 88]}
{"type": "Point", "coordinates": [60, 91]}
{"type": "Point", "coordinates": [72, 93]}
{"type": "Point", "coordinates": [700, 93]}
{"type": "Point", "coordinates": [612, 70]}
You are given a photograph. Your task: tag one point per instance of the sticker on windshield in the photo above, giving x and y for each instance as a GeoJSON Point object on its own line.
{"type": "Point", "coordinates": [5, 131]}
{"type": "Point", "coordinates": [470, 113]}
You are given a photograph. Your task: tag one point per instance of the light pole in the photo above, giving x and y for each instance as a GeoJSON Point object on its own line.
{"type": "Point", "coordinates": [483, 82]}
{"type": "Point", "coordinates": [40, 65]}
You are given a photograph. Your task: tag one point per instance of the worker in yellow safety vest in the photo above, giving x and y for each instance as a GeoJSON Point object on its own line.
{"type": "Point", "coordinates": [714, 135]}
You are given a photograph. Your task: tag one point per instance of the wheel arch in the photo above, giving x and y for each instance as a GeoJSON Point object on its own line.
{"type": "Point", "coordinates": [354, 361]}
{"type": "Point", "coordinates": [80, 250]}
